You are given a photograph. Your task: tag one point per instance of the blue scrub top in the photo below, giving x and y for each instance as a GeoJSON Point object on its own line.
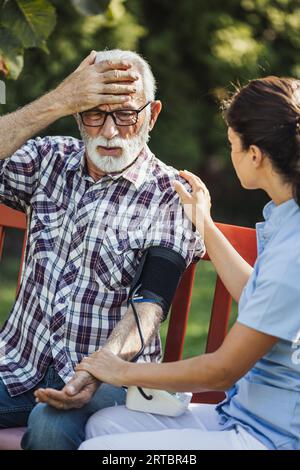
{"type": "Point", "coordinates": [266, 401]}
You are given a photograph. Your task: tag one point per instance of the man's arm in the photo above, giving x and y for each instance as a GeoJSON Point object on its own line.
{"type": "Point", "coordinates": [90, 85]}
{"type": "Point", "coordinates": [124, 341]}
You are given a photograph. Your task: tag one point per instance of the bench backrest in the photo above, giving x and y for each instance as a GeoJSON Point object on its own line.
{"type": "Point", "coordinates": [244, 241]}
{"type": "Point", "coordinates": [10, 218]}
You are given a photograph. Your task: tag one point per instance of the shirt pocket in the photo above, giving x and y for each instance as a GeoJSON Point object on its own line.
{"type": "Point", "coordinates": [45, 227]}
{"type": "Point", "coordinates": [119, 258]}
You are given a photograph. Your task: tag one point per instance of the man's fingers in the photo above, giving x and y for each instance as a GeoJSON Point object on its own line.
{"type": "Point", "coordinates": [116, 89]}
{"type": "Point", "coordinates": [43, 397]}
{"type": "Point", "coordinates": [89, 60]}
{"type": "Point", "coordinates": [113, 76]}
{"type": "Point", "coordinates": [60, 405]}
{"type": "Point", "coordinates": [59, 399]}
{"type": "Point", "coordinates": [39, 394]}
{"type": "Point", "coordinates": [106, 65]}
{"type": "Point", "coordinates": [77, 383]}
{"type": "Point", "coordinates": [51, 393]}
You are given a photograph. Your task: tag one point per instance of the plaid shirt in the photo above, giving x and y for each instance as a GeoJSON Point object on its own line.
{"type": "Point", "coordinates": [85, 241]}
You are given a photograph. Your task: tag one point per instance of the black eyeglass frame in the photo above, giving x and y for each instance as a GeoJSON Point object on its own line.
{"type": "Point", "coordinates": [111, 113]}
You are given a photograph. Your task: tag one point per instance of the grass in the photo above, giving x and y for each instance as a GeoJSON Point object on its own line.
{"type": "Point", "coordinates": [198, 319]}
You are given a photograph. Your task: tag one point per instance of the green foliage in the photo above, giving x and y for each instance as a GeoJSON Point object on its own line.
{"type": "Point", "coordinates": [28, 24]}
{"type": "Point", "coordinates": [24, 24]}
{"type": "Point", "coordinates": [90, 7]}
{"type": "Point", "coordinates": [11, 51]}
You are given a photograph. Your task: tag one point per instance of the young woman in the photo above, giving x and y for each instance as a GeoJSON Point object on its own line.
{"type": "Point", "coordinates": [259, 362]}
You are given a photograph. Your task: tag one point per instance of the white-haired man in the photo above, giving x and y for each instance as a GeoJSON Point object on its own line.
{"type": "Point", "coordinates": [92, 207]}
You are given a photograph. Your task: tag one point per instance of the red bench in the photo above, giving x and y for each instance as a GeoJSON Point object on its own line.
{"type": "Point", "coordinates": [244, 241]}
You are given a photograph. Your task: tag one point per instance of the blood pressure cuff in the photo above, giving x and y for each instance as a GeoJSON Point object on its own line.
{"type": "Point", "coordinates": [158, 276]}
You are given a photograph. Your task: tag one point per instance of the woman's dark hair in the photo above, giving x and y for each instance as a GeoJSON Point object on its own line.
{"type": "Point", "coordinates": [266, 113]}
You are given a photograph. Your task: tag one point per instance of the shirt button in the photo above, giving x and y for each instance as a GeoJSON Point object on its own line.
{"type": "Point", "coordinates": [56, 338]}
{"type": "Point", "coordinates": [62, 300]}
{"type": "Point", "coordinates": [72, 267]}
{"type": "Point", "coordinates": [46, 218]}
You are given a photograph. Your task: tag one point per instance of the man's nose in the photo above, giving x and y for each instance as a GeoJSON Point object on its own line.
{"type": "Point", "coordinates": [109, 128]}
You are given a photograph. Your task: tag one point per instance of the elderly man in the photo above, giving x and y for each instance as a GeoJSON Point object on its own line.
{"type": "Point", "coordinates": [93, 207]}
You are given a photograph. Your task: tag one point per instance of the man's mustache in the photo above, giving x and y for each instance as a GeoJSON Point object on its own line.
{"type": "Point", "coordinates": [108, 144]}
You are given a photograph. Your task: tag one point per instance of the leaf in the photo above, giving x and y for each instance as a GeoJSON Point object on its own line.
{"type": "Point", "coordinates": [30, 21]}
{"type": "Point", "coordinates": [90, 7]}
{"type": "Point", "coordinates": [3, 67]}
{"type": "Point", "coordinates": [11, 54]}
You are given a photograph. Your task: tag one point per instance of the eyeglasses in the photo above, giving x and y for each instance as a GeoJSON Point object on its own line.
{"type": "Point", "coordinates": [121, 117]}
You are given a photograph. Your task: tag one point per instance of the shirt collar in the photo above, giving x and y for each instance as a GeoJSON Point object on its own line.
{"type": "Point", "coordinates": [77, 160]}
{"type": "Point", "coordinates": [275, 216]}
{"type": "Point", "coordinates": [136, 173]}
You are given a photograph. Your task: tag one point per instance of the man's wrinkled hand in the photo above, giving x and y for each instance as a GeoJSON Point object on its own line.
{"type": "Point", "coordinates": [75, 394]}
{"type": "Point", "coordinates": [92, 85]}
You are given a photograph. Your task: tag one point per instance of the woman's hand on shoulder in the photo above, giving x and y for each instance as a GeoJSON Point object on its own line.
{"type": "Point", "coordinates": [196, 204]}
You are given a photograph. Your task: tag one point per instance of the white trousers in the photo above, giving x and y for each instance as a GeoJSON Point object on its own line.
{"type": "Point", "coordinates": [198, 428]}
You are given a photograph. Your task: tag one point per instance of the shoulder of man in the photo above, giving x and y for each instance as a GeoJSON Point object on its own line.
{"type": "Point", "coordinates": [56, 151]}
{"type": "Point", "coordinates": [165, 175]}
{"type": "Point", "coordinates": [62, 145]}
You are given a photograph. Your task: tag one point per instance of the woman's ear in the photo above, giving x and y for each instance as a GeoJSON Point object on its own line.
{"type": "Point", "coordinates": [256, 156]}
{"type": "Point", "coordinates": [155, 110]}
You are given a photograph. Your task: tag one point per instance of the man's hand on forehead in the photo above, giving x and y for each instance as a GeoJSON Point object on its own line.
{"type": "Point", "coordinates": [95, 84]}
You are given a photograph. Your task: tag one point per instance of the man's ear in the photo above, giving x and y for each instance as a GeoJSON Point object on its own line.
{"type": "Point", "coordinates": [155, 110]}
{"type": "Point", "coordinates": [76, 117]}
{"type": "Point", "coordinates": [256, 155]}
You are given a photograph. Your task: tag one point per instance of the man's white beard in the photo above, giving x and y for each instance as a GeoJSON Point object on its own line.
{"type": "Point", "coordinates": [131, 148]}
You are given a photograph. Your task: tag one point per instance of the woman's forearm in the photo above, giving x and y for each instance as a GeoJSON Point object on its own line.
{"type": "Point", "coordinates": [200, 373]}
{"type": "Point", "coordinates": [233, 270]}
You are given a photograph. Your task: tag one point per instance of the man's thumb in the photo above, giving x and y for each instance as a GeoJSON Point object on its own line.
{"type": "Point", "coordinates": [75, 385]}
{"type": "Point", "coordinates": [89, 60]}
